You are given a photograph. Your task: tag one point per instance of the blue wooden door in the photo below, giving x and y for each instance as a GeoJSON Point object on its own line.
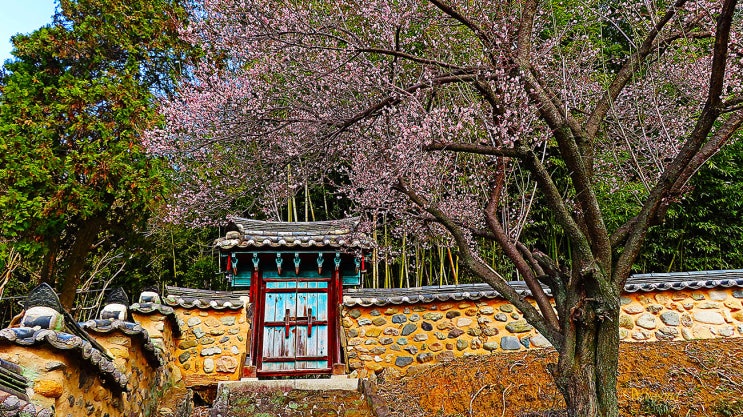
{"type": "Point", "coordinates": [295, 335]}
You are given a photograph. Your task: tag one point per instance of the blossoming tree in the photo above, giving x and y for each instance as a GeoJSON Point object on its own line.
{"type": "Point", "coordinates": [430, 107]}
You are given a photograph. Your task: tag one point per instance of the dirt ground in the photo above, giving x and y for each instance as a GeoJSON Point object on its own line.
{"type": "Point", "coordinates": [665, 379]}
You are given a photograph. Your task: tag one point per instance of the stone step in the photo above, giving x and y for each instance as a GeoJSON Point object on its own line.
{"type": "Point", "coordinates": [320, 384]}
{"type": "Point", "coordinates": [335, 397]}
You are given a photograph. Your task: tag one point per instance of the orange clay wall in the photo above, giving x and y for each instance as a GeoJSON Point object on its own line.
{"type": "Point", "coordinates": [404, 336]}
{"type": "Point", "coordinates": [60, 380]}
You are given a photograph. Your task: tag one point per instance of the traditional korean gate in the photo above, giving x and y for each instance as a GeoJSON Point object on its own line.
{"type": "Point", "coordinates": [296, 337]}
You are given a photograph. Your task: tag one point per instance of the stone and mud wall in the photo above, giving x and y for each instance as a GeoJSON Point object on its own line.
{"type": "Point", "coordinates": [197, 344]}
{"type": "Point", "coordinates": [212, 346]}
{"type": "Point", "coordinates": [73, 382]}
{"type": "Point", "coordinates": [404, 336]}
{"type": "Point", "coordinates": [124, 368]}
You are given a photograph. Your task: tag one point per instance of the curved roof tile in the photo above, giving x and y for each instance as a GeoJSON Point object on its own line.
{"type": "Point", "coordinates": [152, 354]}
{"type": "Point", "coordinates": [12, 406]}
{"type": "Point", "coordinates": [205, 299]}
{"type": "Point", "coordinates": [262, 234]}
{"type": "Point", "coordinates": [26, 336]}
{"type": "Point", "coordinates": [366, 297]}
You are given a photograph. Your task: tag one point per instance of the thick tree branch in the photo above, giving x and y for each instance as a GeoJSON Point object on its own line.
{"type": "Point", "coordinates": [541, 176]}
{"type": "Point", "coordinates": [512, 252]}
{"type": "Point", "coordinates": [392, 100]}
{"type": "Point", "coordinates": [483, 271]}
{"type": "Point", "coordinates": [474, 27]}
{"type": "Point", "coordinates": [674, 173]}
{"type": "Point", "coordinates": [722, 135]}
{"type": "Point", "coordinates": [568, 136]}
{"type": "Point", "coordinates": [476, 149]}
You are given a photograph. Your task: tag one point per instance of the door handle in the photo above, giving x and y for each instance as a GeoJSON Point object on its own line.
{"type": "Point", "coordinates": [309, 323]}
{"type": "Point", "coordinates": [286, 324]}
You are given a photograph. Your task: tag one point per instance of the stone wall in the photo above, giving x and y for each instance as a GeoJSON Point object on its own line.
{"type": "Point", "coordinates": [405, 335]}
{"type": "Point", "coordinates": [63, 381]}
{"type": "Point", "coordinates": [681, 315]}
{"type": "Point", "coordinates": [212, 345]}
{"type": "Point", "coordinates": [163, 328]}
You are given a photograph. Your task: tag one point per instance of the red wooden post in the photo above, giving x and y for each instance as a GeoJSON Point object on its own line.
{"type": "Point", "coordinates": [339, 368]}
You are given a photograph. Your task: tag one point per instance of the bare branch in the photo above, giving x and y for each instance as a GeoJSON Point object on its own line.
{"type": "Point", "coordinates": [482, 270]}
{"type": "Point", "coordinates": [477, 30]}
{"type": "Point", "coordinates": [414, 58]}
{"type": "Point", "coordinates": [674, 175]}
{"type": "Point", "coordinates": [392, 100]}
{"type": "Point", "coordinates": [510, 250]}
{"type": "Point", "coordinates": [627, 71]}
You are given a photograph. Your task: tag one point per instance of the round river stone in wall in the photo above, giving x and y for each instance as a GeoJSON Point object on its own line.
{"type": "Point", "coordinates": [510, 343]}
{"type": "Point", "coordinates": [519, 326]}
{"type": "Point", "coordinates": [373, 332]}
{"type": "Point", "coordinates": [646, 321]}
{"type": "Point", "coordinates": [209, 365]}
{"type": "Point", "coordinates": [421, 337]}
{"type": "Point", "coordinates": [424, 357]}
{"type": "Point", "coordinates": [226, 364]}
{"type": "Point", "coordinates": [379, 321]}
{"type": "Point", "coordinates": [463, 322]}
{"type": "Point", "coordinates": [670, 318]}
{"type": "Point", "coordinates": [540, 341]}
{"type": "Point", "coordinates": [408, 329]}
{"type": "Point", "coordinates": [490, 346]}
{"type": "Point", "coordinates": [403, 361]}
{"type": "Point", "coordinates": [709, 317]}
{"type": "Point", "coordinates": [626, 322]}
{"type": "Point", "coordinates": [718, 295]}
{"type": "Point", "coordinates": [633, 309]}
{"type": "Point", "coordinates": [455, 333]}
{"type": "Point", "coordinates": [433, 316]}
{"type": "Point", "coordinates": [399, 318]}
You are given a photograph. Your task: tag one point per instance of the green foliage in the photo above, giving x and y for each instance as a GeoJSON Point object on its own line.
{"type": "Point", "coordinates": [73, 106]}
{"type": "Point", "coordinates": [657, 406]}
{"type": "Point", "coordinates": [174, 255]}
{"type": "Point", "coordinates": [726, 408]}
{"type": "Point", "coordinates": [703, 231]}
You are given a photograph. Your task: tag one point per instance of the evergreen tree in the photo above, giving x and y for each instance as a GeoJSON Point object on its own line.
{"type": "Point", "coordinates": [74, 104]}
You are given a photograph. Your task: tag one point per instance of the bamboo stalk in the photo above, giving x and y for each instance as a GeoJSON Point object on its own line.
{"type": "Point", "coordinates": [387, 271]}
{"type": "Point", "coordinates": [294, 206]}
{"type": "Point", "coordinates": [375, 253]}
{"type": "Point", "coordinates": [312, 208]}
{"type": "Point", "coordinates": [306, 202]}
{"type": "Point", "coordinates": [325, 202]}
{"type": "Point", "coordinates": [430, 269]}
{"type": "Point", "coordinates": [418, 267]}
{"type": "Point", "coordinates": [404, 260]}
{"type": "Point", "coordinates": [453, 268]}
{"type": "Point", "coordinates": [289, 200]}
{"type": "Point", "coordinates": [441, 265]}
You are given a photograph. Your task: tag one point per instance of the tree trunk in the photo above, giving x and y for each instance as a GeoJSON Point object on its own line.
{"type": "Point", "coordinates": [75, 260]}
{"type": "Point", "coordinates": [49, 265]}
{"type": "Point", "coordinates": [586, 372]}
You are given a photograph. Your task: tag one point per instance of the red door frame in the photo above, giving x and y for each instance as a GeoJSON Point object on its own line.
{"type": "Point", "coordinates": [258, 292]}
